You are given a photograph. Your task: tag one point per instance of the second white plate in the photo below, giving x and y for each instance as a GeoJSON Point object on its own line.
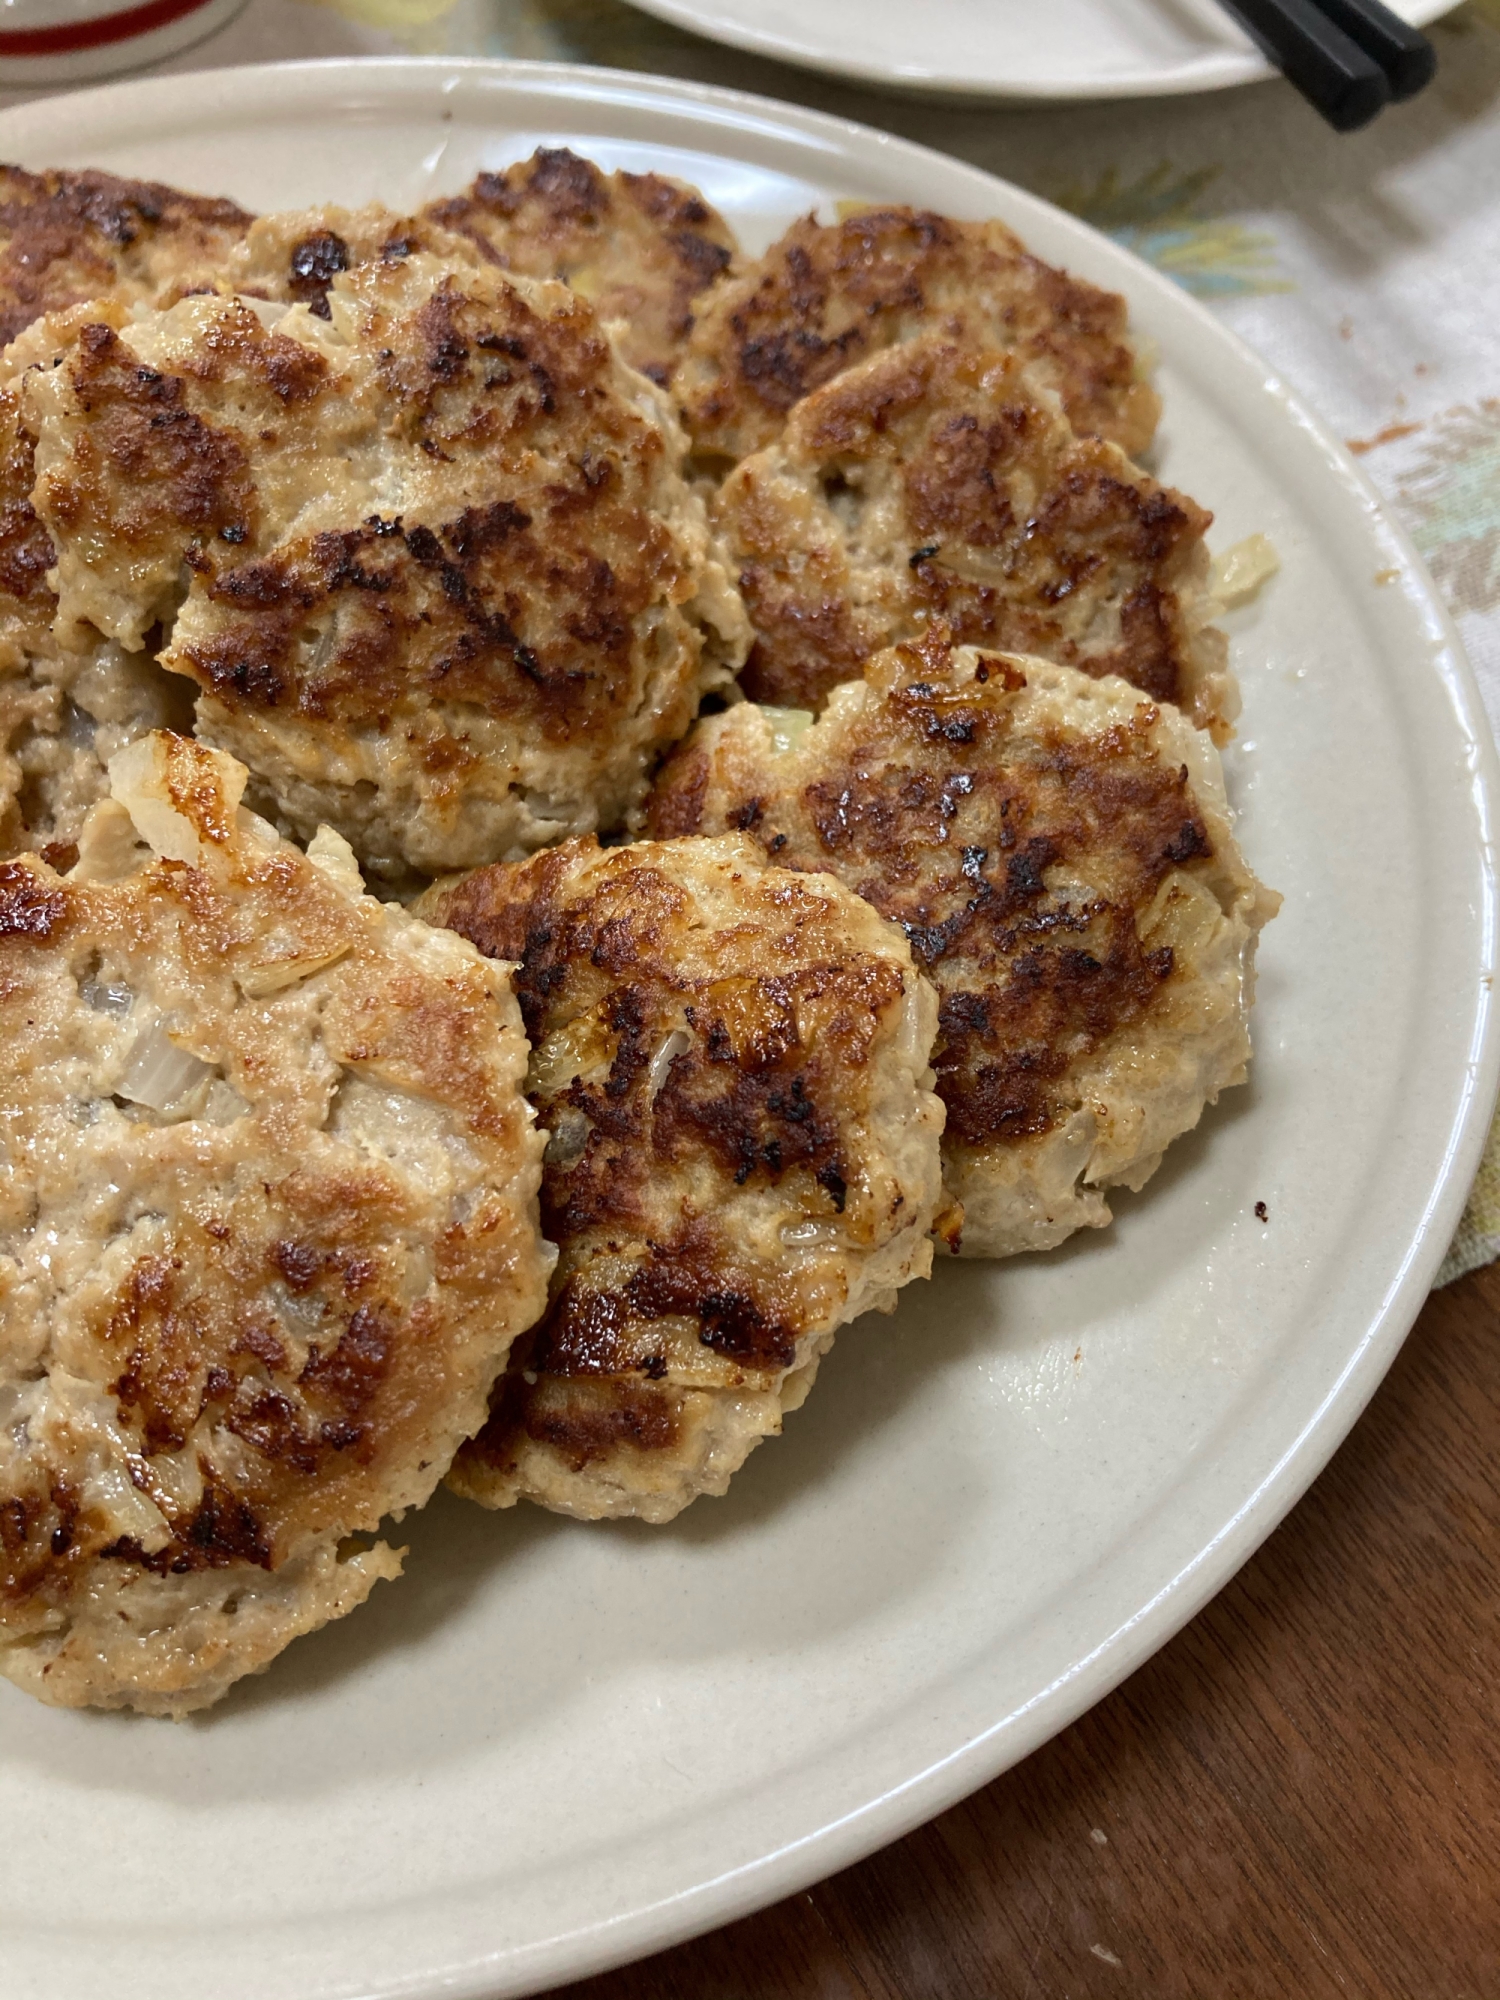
{"type": "Point", "coordinates": [552, 1746]}
{"type": "Point", "coordinates": [1001, 49]}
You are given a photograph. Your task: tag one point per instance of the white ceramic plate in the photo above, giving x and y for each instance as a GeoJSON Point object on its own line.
{"type": "Point", "coordinates": [1003, 49]}
{"type": "Point", "coordinates": [552, 1747]}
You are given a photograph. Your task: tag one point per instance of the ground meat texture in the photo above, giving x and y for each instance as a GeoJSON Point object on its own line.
{"type": "Point", "coordinates": [1059, 852]}
{"type": "Point", "coordinates": [69, 237]}
{"type": "Point", "coordinates": [644, 250]}
{"type": "Point", "coordinates": [826, 296]}
{"type": "Point", "coordinates": [268, 1226]}
{"type": "Point", "coordinates": [938, 481]}
{"type": "Point", "coordinates": [446, 588]}
{"type": "Point", "coordinates": [731, 1062]}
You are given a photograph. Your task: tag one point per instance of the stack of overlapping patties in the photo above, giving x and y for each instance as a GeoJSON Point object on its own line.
{"type": "Point", "coordinates": [573, 806]}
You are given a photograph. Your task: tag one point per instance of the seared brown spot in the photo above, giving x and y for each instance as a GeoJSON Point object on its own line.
{"type": "Point", "coordinates": [646, 248]}
{"type": "Point", "coordinates": [732, 1319]}
{"type": "Point", "coordinates": [677, 802]}
{"type": "Point", "coordinates": [570, 188]}
{"type": "Point", "coordinates": [167, 1378]}
{"type": "Point", "coordinates": [293, 372]}
{"type": "Point", "coordinates": [492, 908]}
{"type": "Point", "coordinates": [639, 1419]}
{"type": "Point", "coordinates": [313, 265]}
{"type": "Point", "coordinates": [825, 297]}
{"type": "Point", "coordinates": [443, 349]}
{"type": "Point", "coordinates": [186, 479]}
{"type": "Point", "coordinates": [28, 908]}
{"type": "Point", "coordinates": [68, 237]}
{"type": "Point", "coordinates": [588, 1332]}
{"type": "Point", "coordinates": [807, 641]}
{"type": "Point", "coordinates": [26, 552]}
{"type": "Point", "coordinates": [223, 1529]}
{"type": "Point", "coordinates": [261, 1340]}
{"type": "Point", "coordinates": [298, 1263]}
{"type": "Point", "coordinates": [17, 1518]}
{"type": "Point", "coordinates": [580, 1428]}
{"type": "Point", "coordinates": [351, 1373]}
{"type": "Point", "coordinates": [38, 1533]}
{"type": "Point", "coordinates": [273, 1424]}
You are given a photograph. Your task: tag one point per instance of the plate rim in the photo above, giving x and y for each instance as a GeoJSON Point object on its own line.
{"type": "Point", "coordinates": [1228, 70]}
{"type": "Point", "coordinates": [686, 1912]}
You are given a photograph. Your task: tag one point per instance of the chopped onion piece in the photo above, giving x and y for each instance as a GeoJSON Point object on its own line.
{"type": "Point", "coordinates": [224, 1104]}
{"type": "Point", "coordinates": [176, 793]}
{"type": "Point", "coordinates": [108, 847]}
{"type": "Point", "coordinates": [270, 312]}
{"type": "Point", "coordinates": [676, 1044]}
{"type": "Point", "coordinates": [106, 999]}
{"type": "Point", "coordinates": [542, 806]}
{"type": "Point", "coordinates": [1240, 571]}
{"type": "Point", "coordinates": [274, 975]}
{"type": "Point", "coordinates": [568, 1138]}
{"type": "Point", "coordinates": [797, 1235]}
{"type": "Point", "coordinates": [164, 1078]}
{"type": "Point", "coordinates": [126, 1512]}
{"type": "Point", "coordinates": [583, 1047]}
{"type": "Point", "coordinates": [330, 851]}
{"type": "Point", "coordinates": [788, 726]}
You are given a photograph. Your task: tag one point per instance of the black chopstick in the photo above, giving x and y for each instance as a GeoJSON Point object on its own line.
{"type": "Point", "coordinates": [1348, 58]}
{"type": "Point", "coordinates": [1403, 52]}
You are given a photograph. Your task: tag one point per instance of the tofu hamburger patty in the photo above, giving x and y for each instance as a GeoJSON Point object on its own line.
{"type": "Point", "coordinates": [731, 1063]}
{"type": "Point", "coordinates": [1060, 853]}
{"type": "Point", "coordinates": [267, 1228]}
{"type": "Point", "coordinates": [641, 248]}
{"type": "Point", "coordinates": [825, 296]}
{"type": "Point", "coordinates": [431, 561]}
{"type": "Point", "coordinates": [67, 237]}
{"type": "Point", "coordinates": [937, 480]}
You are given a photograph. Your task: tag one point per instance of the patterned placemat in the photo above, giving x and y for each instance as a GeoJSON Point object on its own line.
{"type": "Point", "coordinates": [1365, 268]}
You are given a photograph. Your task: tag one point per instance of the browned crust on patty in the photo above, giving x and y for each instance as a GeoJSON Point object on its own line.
{"type": "Point", "coordinates": [492, 662]}
{"type": "Point", "coordinates": [295, 255]}
{"type": "Point", "coordinates": [583, 1420]}
{"type": "Point", "coordinates": [147, 471]}
{"type": "Point", "coordinates": [27, 603]}
{"type": "Point", "coordinates": [948, 827]}
{"type": "Point", "coordinates": [1024, 858]}
{"type": "Point", "coordinates": [711, 1040]}
{"type": "Point", "coordinates": [66, 237]}
{"type": "Point", "coordinates": [642, 248]}
{"type": "Point", "coordinates": [824, 296]}
{"type": "Point", "coordinates": [934, 481]}
{"type": "Point", "coordinates": [254, 1313]}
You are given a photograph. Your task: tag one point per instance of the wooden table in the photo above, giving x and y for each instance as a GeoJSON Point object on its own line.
{"type": "Point", "coordinates": [1299, 1797]}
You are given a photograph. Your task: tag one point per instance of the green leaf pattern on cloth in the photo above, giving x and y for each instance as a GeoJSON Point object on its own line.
{"type": "Point", "coordinates": [1163, 216]}
{"type": "Point", "coordinates": [1450, 499]}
